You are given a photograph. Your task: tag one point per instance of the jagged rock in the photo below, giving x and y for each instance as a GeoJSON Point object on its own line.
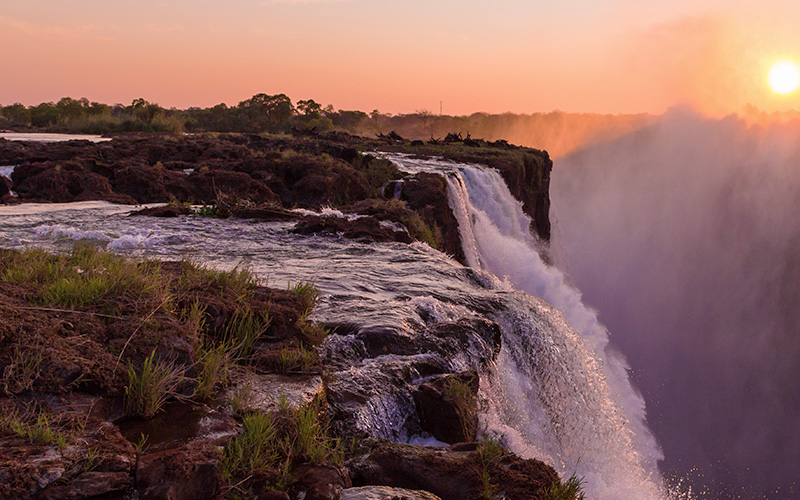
{"type": "Point", "coordinates": [5, 185]}
{"type": "Point", "coordinates": [385, 493]}
{"type": "Point", "coordinates": [447, 406]}
{"type": "Point", "coordinates": [171, 210]}
{"type": "Point", "coordinates": [320, 482]}
{"type": "Point", "coordinates": [144, 183]}
{"type": "Point", "coordinates": [89, 485]}
{"type": "Point", "coordinates": [449, 474]}
{"type": "Point", "coordinates": [187, 473]}
{"type": "Point", "coordinates": [427, 195]}
{"type": "Point", "coordinates": [362, 228]}
{"type": "Point", "coordinates": [267, 213]}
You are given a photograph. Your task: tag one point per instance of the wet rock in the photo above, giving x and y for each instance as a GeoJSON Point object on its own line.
{"type": "Point", "coordinates": [427, 195]}
{"type": "Point", "coordinates": [5, 185]}
{"type": "Point", "coordinates": [447, 474]}
{"type": "Point", "coordinates": [266, 391]}
{"type": "Point", "coordinates": [447, 406]}
{"type": "Point", "coordinates": [266, 213]}
{"type": "Point", "coordinates": [362, 228]}
{"type": "Point", "coordinates": [385, 493]}
{"type": "Point", "coordinates": [88, 485]}
{"type": "Point", "coordinates": [171, 210]}
{"type": "Point", "coordinates": [320, 482]}
{"type": "Point", "coordinates": [187, 473]}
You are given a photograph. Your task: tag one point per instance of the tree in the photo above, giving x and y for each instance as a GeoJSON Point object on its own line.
{"type": "Point", "coordinates": [267, 113]}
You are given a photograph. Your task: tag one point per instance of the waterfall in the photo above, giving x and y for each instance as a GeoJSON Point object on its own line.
{"type": "Point", "coordinates": [559, 392]}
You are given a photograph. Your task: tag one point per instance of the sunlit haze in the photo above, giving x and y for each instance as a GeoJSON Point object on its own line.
{"type": "Point", "coordinates": [399, 57]}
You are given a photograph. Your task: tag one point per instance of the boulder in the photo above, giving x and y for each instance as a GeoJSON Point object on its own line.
{"type": "Point", "coordinates": [320, 482]}
{"type": "Point", "coordinates": [361, 228]}
{"type": "Point", "coordinates": [450, 474]}
{"type": "Point", "coordinates": [170, 210]}
{"type": "Point", "coordinates": [427, 195]}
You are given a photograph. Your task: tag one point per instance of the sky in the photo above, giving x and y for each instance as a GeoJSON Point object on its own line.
{"type": "Point", "coordinates": [402, 56]}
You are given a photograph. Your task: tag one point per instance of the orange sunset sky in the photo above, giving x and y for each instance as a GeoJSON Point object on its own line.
{"type": "Point", "coordinates": [400, 56]}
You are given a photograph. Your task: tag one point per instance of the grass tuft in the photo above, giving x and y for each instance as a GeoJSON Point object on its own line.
{"type": "Point", "coordinates": [151, 386]}
{"type": "Point", "coordinates": [490, 451]}
{"type": "Point", "coordinates": [308, 292]}
{"type": "Point", "coordinates": [571, 489]}
{"type": "Point", "coordinates": [88, 276]}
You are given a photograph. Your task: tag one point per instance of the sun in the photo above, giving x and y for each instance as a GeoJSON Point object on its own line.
{"type": "Point", "coordinates": [784, 77]}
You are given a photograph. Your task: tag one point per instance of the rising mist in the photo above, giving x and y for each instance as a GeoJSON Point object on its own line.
{"type": "Point", "coordinates": [685, 236]}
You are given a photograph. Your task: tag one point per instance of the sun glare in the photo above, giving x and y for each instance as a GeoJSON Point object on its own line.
{"type": "Point", "coordinates": [784, 77]}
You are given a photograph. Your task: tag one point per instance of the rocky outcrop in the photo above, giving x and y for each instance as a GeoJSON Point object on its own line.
{"type": "Point", "coordinates": [426, 194]}
{"type": "Point", "coordinates": [360, 228]}
{"type": "Point", "coordinates": [451, 474]}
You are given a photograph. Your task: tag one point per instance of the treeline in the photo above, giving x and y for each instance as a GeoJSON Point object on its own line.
{"type": "Point", "coordinates": [558, 132]}
{"type": "Point", "coordinates": [261, 113]}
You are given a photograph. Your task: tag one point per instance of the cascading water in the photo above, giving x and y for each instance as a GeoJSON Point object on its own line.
{"type": "Point", "coordinates": [559, 392]}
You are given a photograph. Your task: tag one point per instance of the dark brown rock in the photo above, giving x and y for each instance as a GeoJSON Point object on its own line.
{"type": "Point", "coordinates": [447, 406]}
{"type": "Point", "coordinates": [364, 228]}
{"type": "Point", "coordinates": [320, 482]}
{"type": "Point", "coordinates": [5, 185]}
{"type": "Point", "coordinates": [449, 474]}
{"type": "Point", "coordinates": [89, 485]}
{"type": "Point", "coordinates": [171, 210]}
{"type": "Point", "coordinates": [427, 195]}
{"type": "Point", "coordinates": [188, 473]}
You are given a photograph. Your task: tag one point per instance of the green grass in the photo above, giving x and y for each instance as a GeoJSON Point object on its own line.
{"type": "Point", "coordinates": [490, 451]}
{"type": "Point", "coordinates": [151, 386]}
{"type": "Point", "coordinates": [460, 395]}
{"type": "Point", "coordinates": [278, 441]}
{"type": "Point", "coordinates": [40, 431]}
{"type": "Point", "coordinates": [88, 276]}
{"type": "Point", "coordinates": [22, 370]}
{"type": "Point", "coordinates": [238, 282]}
{"type": "Point", "coordinates": [256, 448]}
{"type": "Point", "coordinates": [214, 369]}
{"type": "Point", "coordinates": [297, 359]}
{"type": "Point", "coordinates": [308, 292]}
{"type": "Point", "coordinates": [243, 329]}
{"type": "Point", "coordinates": [571, 489]}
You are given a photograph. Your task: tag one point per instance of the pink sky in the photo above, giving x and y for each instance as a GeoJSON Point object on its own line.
{"type": "Point", "coordinates": [606, 56]}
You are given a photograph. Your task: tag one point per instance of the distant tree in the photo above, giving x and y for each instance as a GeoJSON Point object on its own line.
{"type": "Point", "coordinates": [16, 115]}
{"type": "Point", "coordinates": [144, 111]}
{"type": "Point", "coordinates": [267, 113]}
{"type": "Point", "coordinates": [44, 114]}
{"type": "Point", "coordinates": [309, 108]}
